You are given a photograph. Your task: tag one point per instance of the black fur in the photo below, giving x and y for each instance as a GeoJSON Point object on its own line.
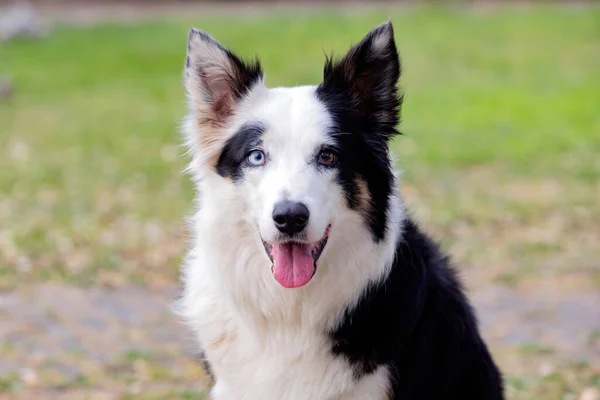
{"type": "Point", "coordinates": [233, 157]}
{"type": "Point", "coordinates": [419, 324]}
{"type": "Point", "coordinates": [201, 357]}
{"type": "Point", "coordinates": [360, 93]}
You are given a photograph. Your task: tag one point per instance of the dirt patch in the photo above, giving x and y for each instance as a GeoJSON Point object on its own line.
{"type": "Point", "coordinates": [565, 323]}
{"type": "Point", "coordinates": [76, 342]}
{"type": "Point", "coordinates": [57, 338]}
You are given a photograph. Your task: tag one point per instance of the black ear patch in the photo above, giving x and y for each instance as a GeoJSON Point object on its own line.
{"type": "Point", "coordinates": [364, 81]}
{"type": "Point", "coordinates": [360, 91]}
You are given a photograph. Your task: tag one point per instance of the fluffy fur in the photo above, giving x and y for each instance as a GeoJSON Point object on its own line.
{"type": "Point", "coordinates": [383, 316]}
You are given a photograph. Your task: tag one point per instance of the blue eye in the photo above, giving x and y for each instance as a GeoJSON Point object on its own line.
{"type": "Point", "coordinates": [256, 158]}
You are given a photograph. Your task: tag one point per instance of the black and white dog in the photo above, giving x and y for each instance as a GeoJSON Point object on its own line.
{"type": "Point", "coordinates": [306, 279]}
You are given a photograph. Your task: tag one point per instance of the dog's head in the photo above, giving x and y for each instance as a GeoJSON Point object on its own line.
{"type": "Point", "coordinates": [298, 166]}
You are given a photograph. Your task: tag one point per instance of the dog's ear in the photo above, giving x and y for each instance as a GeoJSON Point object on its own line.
{"type": "Point", "coordinates": [366, 77]}
{"type": "Point", "coordinates": [216, 79]}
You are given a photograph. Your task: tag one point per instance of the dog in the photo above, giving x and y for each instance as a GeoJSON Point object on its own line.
{"type": "Point", "coordinates": [306, 278]}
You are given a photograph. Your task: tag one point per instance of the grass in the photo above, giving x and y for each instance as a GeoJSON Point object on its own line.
{"type": "Point", "coordinates": [501, 150]}
{"type": "Point", "coordinates": [500, 105]}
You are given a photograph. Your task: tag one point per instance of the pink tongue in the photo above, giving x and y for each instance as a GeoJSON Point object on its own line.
{"type": "Point", "coordinates": [293, 264]}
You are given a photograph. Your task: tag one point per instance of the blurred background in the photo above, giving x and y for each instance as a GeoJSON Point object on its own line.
{"type": "Point", "coordinates": [501, 160]}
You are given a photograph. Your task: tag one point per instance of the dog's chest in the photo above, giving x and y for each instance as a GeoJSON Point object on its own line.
{"type": "Point", "coordinates": [271, 361]}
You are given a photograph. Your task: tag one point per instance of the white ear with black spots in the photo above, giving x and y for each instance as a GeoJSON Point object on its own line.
{"type": "Point", "coordinates": [216, 79]}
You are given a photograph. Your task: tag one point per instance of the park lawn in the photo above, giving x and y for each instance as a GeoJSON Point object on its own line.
{"type": "Point", "coordinates": [500, 152]}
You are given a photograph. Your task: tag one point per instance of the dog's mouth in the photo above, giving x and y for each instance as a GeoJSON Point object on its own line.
{"type": "Point", "coordinates": [295, 262]}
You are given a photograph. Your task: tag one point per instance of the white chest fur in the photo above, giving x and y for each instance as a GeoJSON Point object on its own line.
{"type": "Point", "coordinates": [260, 360]}
{"type": "Point", "coordinates": [267, 342]}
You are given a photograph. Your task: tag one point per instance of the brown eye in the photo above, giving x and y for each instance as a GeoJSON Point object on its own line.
{"type": "Point", "coordinates": [327, 158]}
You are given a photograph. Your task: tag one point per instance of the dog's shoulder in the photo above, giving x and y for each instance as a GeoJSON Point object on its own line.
{"type": "Point", "coordinates": [418, 321]}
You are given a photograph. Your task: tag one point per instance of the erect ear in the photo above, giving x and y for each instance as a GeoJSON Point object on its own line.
{"type": "Point", "coordinates": [215, 79]}
{"type": "Point", "coordinates": [366, 78]}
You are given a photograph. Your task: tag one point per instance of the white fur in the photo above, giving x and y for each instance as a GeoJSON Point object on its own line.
{"type": "Point", "coordinates": [264, 341]}
{"type": "Point", "coordinates": [381, 41]}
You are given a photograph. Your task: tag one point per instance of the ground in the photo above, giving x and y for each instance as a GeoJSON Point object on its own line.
{"type": "Point", "coordinates": [501, 160]}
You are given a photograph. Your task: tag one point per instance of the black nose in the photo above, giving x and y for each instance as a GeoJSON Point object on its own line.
{"type": "Point", "coordinates": [290, 217]}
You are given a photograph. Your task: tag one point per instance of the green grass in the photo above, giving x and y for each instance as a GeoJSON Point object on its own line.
{"type": "Point", "coordinates": [91, 137]}
{"type": "Point", "coordinates": [501, 147]}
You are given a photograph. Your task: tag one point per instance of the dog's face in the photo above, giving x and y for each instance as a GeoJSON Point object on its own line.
{"type": "Point", "coordinates": [297, 165]}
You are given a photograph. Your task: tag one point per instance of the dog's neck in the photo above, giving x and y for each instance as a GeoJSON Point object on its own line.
{"type": "Point", "coordinates": [241, 271]}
